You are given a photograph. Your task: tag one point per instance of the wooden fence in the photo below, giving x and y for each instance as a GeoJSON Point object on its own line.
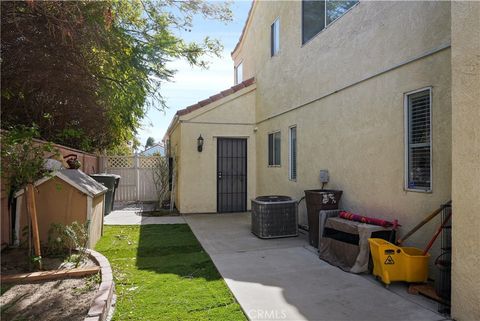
{"type": "Point", "coordinates": [137, 176]}
{"type": "Point", "coordinates": [90, 162]}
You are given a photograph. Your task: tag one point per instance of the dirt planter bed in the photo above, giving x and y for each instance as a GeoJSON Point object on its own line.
{"type": "Point", "coordinates": [58, 292]}
{"type": "Point", "coordinates": [102, 303]}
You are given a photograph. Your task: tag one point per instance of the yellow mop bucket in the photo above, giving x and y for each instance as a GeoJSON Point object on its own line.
{"type": "Point", "coordinates": [394, 263]}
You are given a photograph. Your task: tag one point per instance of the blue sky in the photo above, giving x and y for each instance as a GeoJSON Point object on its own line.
{"type": "Point", "coordinates": [193, 84]}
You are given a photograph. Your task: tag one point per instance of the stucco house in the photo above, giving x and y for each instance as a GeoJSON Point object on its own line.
{"type": "Point", "coordinates": [384, 95]}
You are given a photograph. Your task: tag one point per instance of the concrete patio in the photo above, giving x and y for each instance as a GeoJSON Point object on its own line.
{"type": "Point", "coordinates": [283, 279]}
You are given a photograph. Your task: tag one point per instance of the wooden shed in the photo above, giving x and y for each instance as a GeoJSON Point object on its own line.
{"type": "Point", "coordinates": [65, 196]}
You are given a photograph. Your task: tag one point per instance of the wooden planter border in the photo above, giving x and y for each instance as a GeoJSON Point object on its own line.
{"type": "Point", "coordinates": [102, 303]}
{"type": "Point", "coordinates": [49, 275]}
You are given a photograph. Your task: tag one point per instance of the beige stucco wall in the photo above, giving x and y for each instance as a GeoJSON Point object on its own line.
{"type": "Point", "coordinates": [466, 160]}
{"type": "Point", "coordinates": [232, 116]}
{"type": "Point", "coordinates": [56, 202]}
{"type": "Point", "coordinates": [359, 137]}
{"type": "Point", "coordinates": [373, 36]}
{"type": "Point", "coordinates": [344, 89]}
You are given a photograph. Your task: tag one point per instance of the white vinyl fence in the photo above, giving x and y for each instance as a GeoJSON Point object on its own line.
{"type": "Point", "coordinates": [137, 176]}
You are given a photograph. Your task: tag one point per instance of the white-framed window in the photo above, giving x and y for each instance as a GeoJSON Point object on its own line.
{"type": "Point", "coordinates": [274, 142]}
{"type": "Point", "coordinates": [292, 153]}
{"type": "Point", "coordinates": [318, 14]}
{"type": "Point", "coordinates": [418, 140]}
{"type": "Point", "coordinates": [275, 37]}
{"type": "Point", "coordinates": [239, 73]}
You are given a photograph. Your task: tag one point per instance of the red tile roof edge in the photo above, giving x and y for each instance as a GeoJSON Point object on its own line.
{"type": "Point", "coordinates": [244, 28]}
{"type": "Point", "coordinates": [216, 97]}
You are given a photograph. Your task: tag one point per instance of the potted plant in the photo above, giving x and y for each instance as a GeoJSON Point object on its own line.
{"type": "Point", "coordinates": [72, 161]}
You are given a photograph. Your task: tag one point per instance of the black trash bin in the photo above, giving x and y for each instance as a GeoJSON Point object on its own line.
{"type": "Point", "coordinates": [318, 200]}
{"type": "Point", "coordinates": [111, 182]}
{"type": "Point", "coordinates": [117, 182]}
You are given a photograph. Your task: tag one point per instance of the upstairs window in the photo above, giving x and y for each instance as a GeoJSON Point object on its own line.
{"type": "Point", "coordinates": [275, 37]}
{"type": "Point", "coordinates": [239, 73]}
{"type": "Point", "coordinates": [274, 149]}
{"type": "Point", "coordinates": [418, 151]}
{"type": "Point", "coordinates": [318, 14]}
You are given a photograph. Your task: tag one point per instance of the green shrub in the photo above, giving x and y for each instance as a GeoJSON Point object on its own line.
{"type": "Point", "coordinates": [64, 239]}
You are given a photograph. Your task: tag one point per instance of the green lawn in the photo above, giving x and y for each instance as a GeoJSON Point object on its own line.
{"type": "Point", "coordinates": [162, 273]}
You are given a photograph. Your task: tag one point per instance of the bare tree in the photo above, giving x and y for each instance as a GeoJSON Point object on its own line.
{"type": "Point", "coordinates": [160, 178]}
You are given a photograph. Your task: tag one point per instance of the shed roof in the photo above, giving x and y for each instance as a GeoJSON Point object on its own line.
{"type": "Point", "coordinates": [75, 178]}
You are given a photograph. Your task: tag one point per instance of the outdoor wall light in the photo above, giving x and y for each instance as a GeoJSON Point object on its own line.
{"type": "Point", "coordinates": [200, 143]}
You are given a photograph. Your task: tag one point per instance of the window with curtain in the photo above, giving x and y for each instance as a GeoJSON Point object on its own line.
{"type": "Point", "coordinates": [318, 14]}
{"type": "Point", "coordinates": [274, 149]}
{"type": "Point", "coordinates": [418, 139]}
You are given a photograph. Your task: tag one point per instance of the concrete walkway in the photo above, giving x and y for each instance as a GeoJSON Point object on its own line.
{"type": "Point", "coordinates": [283, 279]}
{"type": "Point", "coordinates": [130, 214]}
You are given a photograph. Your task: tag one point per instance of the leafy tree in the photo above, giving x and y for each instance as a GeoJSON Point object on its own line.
{"type": "Point", "coordinates": [150, 142]}
{"type": "Point", "coordinates": [82, 70]}
{"type": "Point", "coordinates": [23, 159]}
{"type": "Point", "coordinates": [22, 164]}
{"type": "Point", "coordinates": [121, 150]}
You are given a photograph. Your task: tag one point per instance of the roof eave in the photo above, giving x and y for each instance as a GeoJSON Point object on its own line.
{"type": "Point", "coordinates": [172, 125]}
{"type": "Point", "coordinates": [244, 30]}
{"type": "Point", "coordinates": [223, 94]}
{"type": "Point", "coordinates": [206, 102]}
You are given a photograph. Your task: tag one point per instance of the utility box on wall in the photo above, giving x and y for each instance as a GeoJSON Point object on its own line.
{"type": "Point", "coordinates": [66, 196]}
